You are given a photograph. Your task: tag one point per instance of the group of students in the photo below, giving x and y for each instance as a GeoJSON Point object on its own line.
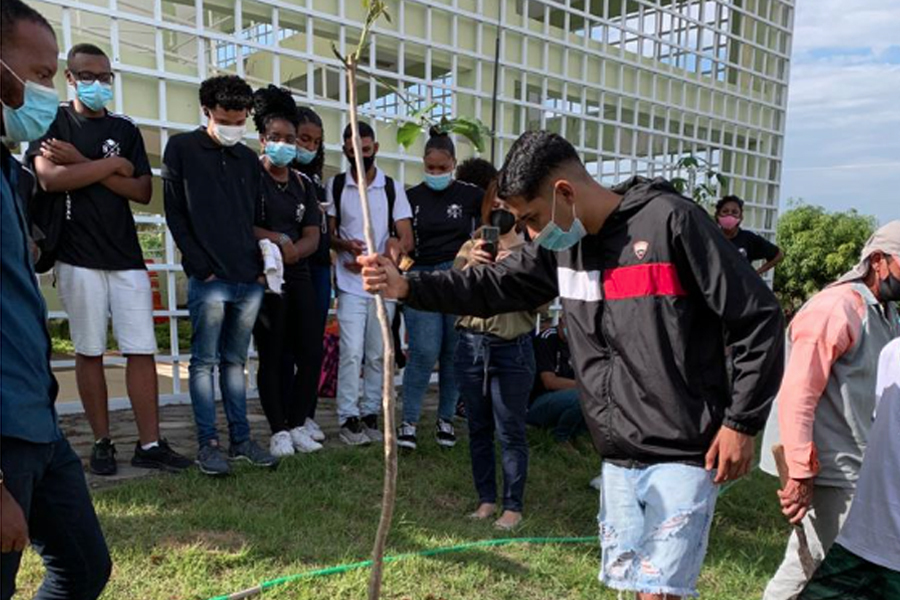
{"type": "Point", "coordinates": [653, 295]}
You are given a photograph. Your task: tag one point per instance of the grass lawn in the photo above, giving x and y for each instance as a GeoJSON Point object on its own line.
{"type": "Point", "coordinates": [190, 537]}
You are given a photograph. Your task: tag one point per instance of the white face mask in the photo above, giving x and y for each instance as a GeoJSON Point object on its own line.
{"type": "Point", "coordinates": [228, 135]}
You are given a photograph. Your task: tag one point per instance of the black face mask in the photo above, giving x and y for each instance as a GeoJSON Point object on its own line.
{"type": "Point", "coordinates": [889, 289]}
{"type": "Point", "coordinates": [368, 161]}
{"type": "Point", "coordinates": [503, 220]}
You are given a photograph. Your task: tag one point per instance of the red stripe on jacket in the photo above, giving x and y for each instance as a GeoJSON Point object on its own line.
{"type": "Point", "coordinates": [638, 281]}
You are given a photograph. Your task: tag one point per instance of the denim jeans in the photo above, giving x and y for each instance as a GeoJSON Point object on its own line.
{"type": "Point", "coordinates": [561, 411]}
{"type": "Point", "coordinates": [47, 482]}
{"type": "Point", "coordinates": [654, 527]}
{"type": "Point", "coordinates": [494, 378]}
{"type": "Point", "coordinates": [432, 337]}
{"type": "Point", "coordinates": [360, 338]}
{"type": "Point", "coordinates": [222, 317]}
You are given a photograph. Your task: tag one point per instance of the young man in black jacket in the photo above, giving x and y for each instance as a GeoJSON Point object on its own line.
{"type": "Point", "coordinates": [213, 198]}
{"type": "Point", "coordinates": [653, 294]}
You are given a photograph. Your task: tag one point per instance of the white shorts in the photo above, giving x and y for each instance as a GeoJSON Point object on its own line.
{"type": "Point", "coordinates": [90, 296]}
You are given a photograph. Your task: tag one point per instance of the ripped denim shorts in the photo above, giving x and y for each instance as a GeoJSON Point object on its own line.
{"type": "Point", "coordinates": [654, 527]}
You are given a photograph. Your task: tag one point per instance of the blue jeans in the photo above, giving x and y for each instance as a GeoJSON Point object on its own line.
{"type": "Point", "coordinates": [654, 527]}
{"type": "Point", "coordinates": [495, 378]}
{"type": "Point", "coordinates": [432, 337]}
{"type": "Point", "coordinates": [222, 317]}
{"type": "Point", "coordinates": [560, 410]}
{"type": "Point", "coordinates": [47, 482]}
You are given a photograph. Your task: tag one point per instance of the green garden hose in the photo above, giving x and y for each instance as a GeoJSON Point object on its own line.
{"type": "Point", "coordinates": [267, 585]}
{"type": "Point", "coordinates": [262, 587]}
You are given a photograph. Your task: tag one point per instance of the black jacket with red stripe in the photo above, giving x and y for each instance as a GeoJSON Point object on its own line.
{"type": "Point", "coordinates": [651, 303]}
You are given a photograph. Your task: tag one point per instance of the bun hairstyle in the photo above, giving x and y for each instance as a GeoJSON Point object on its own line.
{"type": "Point", "coordinates": [439, 140]}
{"type": "Point", "coordinates": [273, 103]}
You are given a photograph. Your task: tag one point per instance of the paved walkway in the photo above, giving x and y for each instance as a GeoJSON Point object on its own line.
{"type": "Point", "coordinates": [177, 425]}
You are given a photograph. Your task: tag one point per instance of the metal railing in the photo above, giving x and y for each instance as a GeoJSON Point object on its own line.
{"type": "Point", "coordinates": [169, 268]}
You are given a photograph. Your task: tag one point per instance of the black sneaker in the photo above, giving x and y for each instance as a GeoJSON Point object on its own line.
{"type": "Point", "coordinates": [370, 428]}
{"type": "Point", "coordinates": [160, 457]}
{"type": "Point", "coordinates": [251, 452]}
{"type": "Point", "coordinates": [352, 433]}
{"type": "Point", "coordinates": [406, 436]}
{"type": "Point", "coordinates": [445, 434]}
{"type": "Point", "coordinates": [103, 457]}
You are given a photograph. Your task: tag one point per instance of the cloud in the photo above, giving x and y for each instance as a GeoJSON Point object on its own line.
{"type": "Point", "coordinates": [841, 145]}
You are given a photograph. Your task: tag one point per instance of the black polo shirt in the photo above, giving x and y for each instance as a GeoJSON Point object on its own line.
{"type": "Point", "coordinates": [287, 208]}
{"type": "Point", "coordinates": [213, 200]}
{"type": "Point", "coordinates": [443, 221]}
{"type": "Point", "coordinates": [753, 246]}
{"type": "Point", "coordinates": [551, 355]}
{"type": "Point", "coordinates": [99, 232]}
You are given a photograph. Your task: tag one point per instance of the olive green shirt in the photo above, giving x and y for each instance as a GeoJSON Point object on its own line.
{"type": "Point", "coordinates": [507, 326]}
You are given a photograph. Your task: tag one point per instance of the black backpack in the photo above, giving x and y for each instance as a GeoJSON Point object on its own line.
{"type": "Point", "coordinates": [47, 213]}
{"type": "Point", "coordinates": [389, 188]}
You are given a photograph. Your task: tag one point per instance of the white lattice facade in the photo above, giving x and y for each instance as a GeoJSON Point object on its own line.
{"type": "Point", "coordinates": [635, 85]}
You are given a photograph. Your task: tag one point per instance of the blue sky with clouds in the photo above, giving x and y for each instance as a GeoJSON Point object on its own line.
{"type": "Point", "coordinates": [842, 142]}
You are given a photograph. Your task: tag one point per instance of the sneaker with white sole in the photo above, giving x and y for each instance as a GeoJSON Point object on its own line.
{"type": "Point", "coordinates": [302, 441]}
{"type": "Point", "coordinates": [406, 436]}
{"type": "Point", "coordinates": [444, 434]}
{"type": "Point", "coordinates": [314, 431]}
{"type": "Point", "coordinates": [280, 444]}
{"type": "Point", "coordinates": [352, 433]}
{"type": "Point", "coordinates": [370, 428]}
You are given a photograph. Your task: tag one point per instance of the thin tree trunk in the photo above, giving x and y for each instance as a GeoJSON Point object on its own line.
{"type": "Point", "coordinates": [387, 390]}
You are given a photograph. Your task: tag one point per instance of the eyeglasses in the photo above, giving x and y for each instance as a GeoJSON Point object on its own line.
{"type": "Point", "coordinates": [289, 139]}
{"type": "Point", "coordinates": [89, 77]}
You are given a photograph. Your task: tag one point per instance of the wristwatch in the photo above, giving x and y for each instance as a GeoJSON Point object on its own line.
{"type": "Point", "coordinates": [283, 239]}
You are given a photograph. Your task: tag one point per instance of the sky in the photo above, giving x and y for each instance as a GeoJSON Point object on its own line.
{"type": "Point", "coordinates": [842, 138]}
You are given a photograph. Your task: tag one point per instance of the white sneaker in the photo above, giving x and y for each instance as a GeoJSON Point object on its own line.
{"type": "Point", "coordinates": [302, 442]}
{"type": "Point", "coordinates": [314, 431]}
{"type": "Point", "coordinates": [280, 444]}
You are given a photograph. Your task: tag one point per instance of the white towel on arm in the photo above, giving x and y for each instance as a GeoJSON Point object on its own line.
{"type": "Point", "coordinates": [273, 265]}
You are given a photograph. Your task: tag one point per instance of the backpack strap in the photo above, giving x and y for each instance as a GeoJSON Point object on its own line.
{"type": "Point", "coordinates": [337, 189]}
{"type": "Point", "coordinates": [390, 189]}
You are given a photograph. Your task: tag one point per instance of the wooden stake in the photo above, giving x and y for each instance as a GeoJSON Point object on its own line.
{"type": "Point", "coordinates": [387, 389]}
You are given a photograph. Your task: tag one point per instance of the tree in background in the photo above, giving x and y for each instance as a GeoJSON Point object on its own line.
{"type": "Point", "coordinates": [819, 246]}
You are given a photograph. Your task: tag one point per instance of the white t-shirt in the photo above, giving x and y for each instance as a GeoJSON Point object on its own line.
{"type": "Point", "coordinates": [351, 223]}
{"type": "Point", "coordinates": [872, 529]}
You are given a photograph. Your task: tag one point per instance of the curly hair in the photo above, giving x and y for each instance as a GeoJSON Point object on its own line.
{"type": "Point", "coordinates": [476, 171]}
{"type": "Point", "coordinates": [721, 203]}
{"type": "Point", "coordinates": [228, 91]}
{"type": "Point", "coordinates": [314, 169]}
{"type": "Point", "coordinates": [271, 103]}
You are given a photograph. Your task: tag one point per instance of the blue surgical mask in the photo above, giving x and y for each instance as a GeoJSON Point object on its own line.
{"type": "Point", "coordinates": [552, 237]}
{"type": "Point", "coordinates": [31, 120]}
{"type": "Point", "coordinates": [281, 154]}
{"type": "Point", "coordinates": [438, 183]}
{"type": "Point", "coordinates": [304, 156]}
{"type": "Point", "coordinates": [94, 95]}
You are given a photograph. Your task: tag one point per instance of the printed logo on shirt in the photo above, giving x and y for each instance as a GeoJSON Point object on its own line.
{"type": "Point", "coordinates": [743, 252]}
{"type": "Point", "coordinates": [640, 249]}
{"type": "Point", "coordinates": [455, 211]}
{"type": "Point", "coordinates": [110, 148]}
{"type": "Point", "coordinates": [298, 214]}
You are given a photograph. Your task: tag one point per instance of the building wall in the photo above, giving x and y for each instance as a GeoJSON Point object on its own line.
{"type": "Point", "coordinates": [634, 84]}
